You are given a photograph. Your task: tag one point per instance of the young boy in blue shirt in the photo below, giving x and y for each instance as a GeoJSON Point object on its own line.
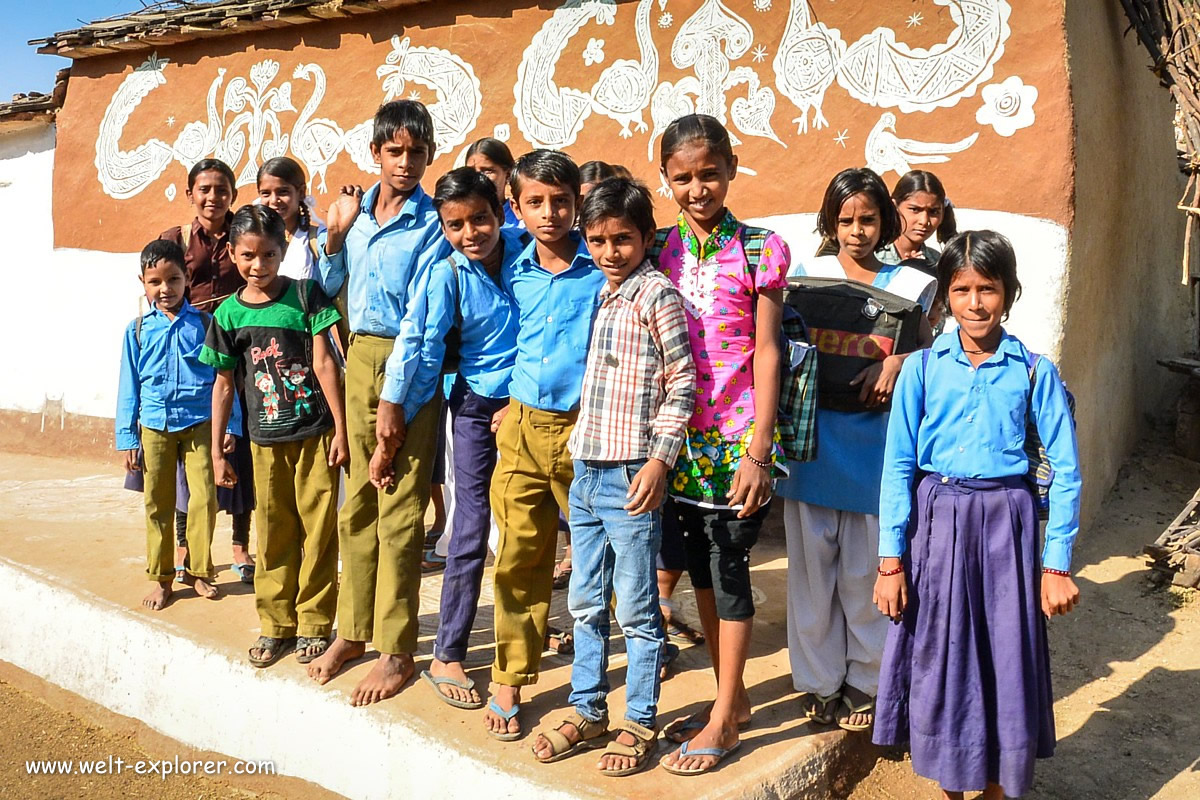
{"type": "Point", "coordinates": [556, 287]}
{"type": "Point", "coordinates": [164, 406]}
{"type": "Point", "coordinates": [381, 244]}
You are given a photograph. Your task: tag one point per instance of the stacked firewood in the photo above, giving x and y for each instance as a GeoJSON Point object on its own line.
{"type": "Point", "coordinates": [1177, 551]}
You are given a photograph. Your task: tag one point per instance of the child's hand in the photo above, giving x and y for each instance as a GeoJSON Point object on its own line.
{"type": "Point", "coordinates": [891, 591]}
{"type": "Point", "coordinates": [223, 471]}
{"type": "Point", "coordinates": [1059, 594]}
{"type": "Point", "coordinates": [344, 210]}
{"type": "Point", "coordinates": [228, 444]}
{"type": "Point", "coordinates": [131, 461]}
{"type": "Point", "coordinates": [389, 425]}
{"type": "Point", "coordinates": [339, 451]}
{"type": "Point", "coordinates": [380, 469]}
{"type": "Point", "coordinates": [751, 488]}
{"type": "Point", "coordinates": [498, 417]}
{"type": "Point", "coordinates": [647, 488]}
{"type": "Point", "coordinates": [878, 381]}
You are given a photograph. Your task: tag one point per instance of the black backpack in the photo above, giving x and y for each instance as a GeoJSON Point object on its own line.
{"type": "Point", "coordinates": [853, 325]}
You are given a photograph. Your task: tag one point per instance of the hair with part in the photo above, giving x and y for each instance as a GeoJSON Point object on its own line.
{"type": "Point", "coordinates": [462, 183]}
{"type": "Point", "coordinates": [595, 171]}
{"type": "Point", "coordinates": [403, 115]}
{"type": "Point", "coordinates": [211, 165]}
{"type": "Point", "coordinates": [291, 173]}
{"type": "Point", "coordinates": [493, 150]}
{"type": "Point", "coordinates": [258, 221]}
{"type": "Point", "coordinates": [161, 250]}
{"type": "Point", "coordinates": [990, 254]}
{"type": "Point", "coordinates": [919, 180]}
{"type": "Point", "coordinates": [551, 167]}
{"type": "Point", "coordinates": [847, 184]}
{"type": "Point", "coordinates": [696, 128]}
{"type": "Point", "coordinates": [618, 198]}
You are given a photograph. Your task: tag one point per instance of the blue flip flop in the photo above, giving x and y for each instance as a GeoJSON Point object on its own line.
{"type": "Point", "coordinates": [437, 682]}
{"type": "Point", "coordinates": [245, 572]}
{"type": "Point", "coordinates": [720, 754]}
{"type": "Point", "coordinates": [510, 736]}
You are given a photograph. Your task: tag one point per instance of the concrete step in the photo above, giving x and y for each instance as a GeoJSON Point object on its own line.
{"type": "Point", "coordinates": [71, 582]}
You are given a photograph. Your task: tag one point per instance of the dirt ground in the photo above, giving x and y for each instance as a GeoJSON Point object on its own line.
{"type": "Point", "coordinates": [1126, 681]}
{"type": "Point", "coordinates": [1126, 663]}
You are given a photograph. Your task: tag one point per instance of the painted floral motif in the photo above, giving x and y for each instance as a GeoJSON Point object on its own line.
{"type": "Point", "coordinates": [594, 52]}
{"type": "Point", "coordinates": [1007, 106]}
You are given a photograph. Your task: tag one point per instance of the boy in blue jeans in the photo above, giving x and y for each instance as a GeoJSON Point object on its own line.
{"type": "Point", "coordinates": [164, 406]}
{"type": "Point", "coordinates": [637, 399]}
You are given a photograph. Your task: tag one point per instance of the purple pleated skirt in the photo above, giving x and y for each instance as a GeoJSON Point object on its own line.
{"type": "Point", "coordinates": [965, 680]}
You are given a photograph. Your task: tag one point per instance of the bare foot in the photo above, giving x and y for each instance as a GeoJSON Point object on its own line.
{"type": "Point", "coordinates": [857, 698]}
{"type": "Point", "coordinates": [203, 587]}
{"type": "Point", "coordinates": [506, 697]}
{"type": "Point", "coordinates": [241, 555]}
{"type": "Point", "coordinates": [675, 733]}
{"type": "Point", "coordinates": [712, 735]}
{"type": "Point", "coordinates": [385, 679]}
{"type": "Point", "coordinates": [330, 663]}
{"type": "Point", "coordinates": [158, 599]}
{"type": "Point", "coordinates": [453, 670]}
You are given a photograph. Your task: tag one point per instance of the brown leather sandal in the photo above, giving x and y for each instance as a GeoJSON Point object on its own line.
{"type": "Point", "coordinates": [646, 746]}
{"type": "Point", "coordinates": [561, 747]}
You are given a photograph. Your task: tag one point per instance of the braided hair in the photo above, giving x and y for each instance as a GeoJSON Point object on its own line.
{"type": "Point", "coordinates": [291, 173]}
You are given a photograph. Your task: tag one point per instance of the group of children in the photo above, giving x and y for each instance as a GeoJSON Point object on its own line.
{"type": "Point", "coordinates": [627, 377]}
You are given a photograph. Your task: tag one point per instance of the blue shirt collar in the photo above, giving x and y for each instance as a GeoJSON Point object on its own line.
{"type": "Point", "coordinates": [949, 342]}
{"type": "Point", "coordinates": [185, 309]}
{"type": "Point", "coordinates": [407, 211]}
{"type": "Point", "coordinates": [528, 257]}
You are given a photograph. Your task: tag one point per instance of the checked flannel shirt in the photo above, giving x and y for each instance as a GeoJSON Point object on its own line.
{"type": "Point", "coordinates": [640, 381]}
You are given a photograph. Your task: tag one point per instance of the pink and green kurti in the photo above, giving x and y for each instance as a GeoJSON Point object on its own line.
{"type": "Point", "coordinates": [720, 289]}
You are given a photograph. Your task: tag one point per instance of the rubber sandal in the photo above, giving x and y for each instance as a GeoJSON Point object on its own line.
{"type": "Point", "coordinates": [305, 642]}
{"type": "Point", "coordinates": [646, 746]}
{"type": "Point", "coordinates": [437, 683]}
{"type": "Point", "coordinates": [864, 708]}
{"type": "Point", "coordinates": [431, 539]}
{"type": "Point", "coordinates": [561, 747]}
{"type": "Point", "coordinates": [181, 575]}
{"type": "Point", "coordinates": [432, 562]}
{"type": "Point", "coordinates": [562, 577]}
{"type": "Point", "coordinates": [277, 648]}
{"type": "Point", "coordinates": [693, 723]}
{"type": "Point", "coordinates": [566, 642]}
{"type": "Point", "coordinates": [245, 572]}
{"type": "Point", "coordinates": [720, 754]}
{"type": "Point", "coordinates": [680, 631]}
{"type": "Point", "coordinates": [812, 702]}
{"type": "Point", "coordinates": [507, 736]}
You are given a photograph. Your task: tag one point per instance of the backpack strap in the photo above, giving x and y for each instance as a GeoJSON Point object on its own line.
{"type": "Point", "coordinates": [660, 243]}
{"type": "Point", "coordinates": [313, 232]}
{"type": "Point", "coordinates": [185, 236]}
{"type": "Point", "coordinates": [458, 315]}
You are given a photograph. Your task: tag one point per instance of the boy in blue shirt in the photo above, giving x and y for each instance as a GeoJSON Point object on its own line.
{"type": "Point", "coordinates": [556, 287]}
{"type": "Point", "coordinates": [164, 405]}
{"type": "Point", "coordinates": [381, 245]}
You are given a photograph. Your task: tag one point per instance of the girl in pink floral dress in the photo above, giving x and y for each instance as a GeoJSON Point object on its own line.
{"type": "Point", "coordinates": [731, 277]}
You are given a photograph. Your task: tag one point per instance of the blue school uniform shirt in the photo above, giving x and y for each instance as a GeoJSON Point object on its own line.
{"type": "Point", "coordinates": [510, 219]}
{"type": "Point", "coordinates": [555, 314]}
{"type": "Point", "coordinates": [385, 266]}
{"type": "Point", "coordinates": [971, 424]}
{"type": "Point", "coordinates": [488, 346]}
{"type": "Point", "coordinates": [850, 444]}
{"type": "Point", "coordinates": [163, 384]}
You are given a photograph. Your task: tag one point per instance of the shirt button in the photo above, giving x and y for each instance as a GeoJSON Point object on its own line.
{"type": "Point", "coordinates": [970, 418]}
{"type": "Point", "coordinates": [550, 318]}
{"type": "Point", "coordinates": [545, 361]}
{"type": "Point", "coordinates": [944, 478]}
{"type": "Point", "coordinates": [962, 450]}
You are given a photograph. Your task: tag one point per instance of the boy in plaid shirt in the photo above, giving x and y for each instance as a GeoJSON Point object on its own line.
{"type": "Point", "coordinates": [637, 399]}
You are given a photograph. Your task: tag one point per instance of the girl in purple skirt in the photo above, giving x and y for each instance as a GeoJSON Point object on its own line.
{"type": "Point", "coordinates": [965, 680]}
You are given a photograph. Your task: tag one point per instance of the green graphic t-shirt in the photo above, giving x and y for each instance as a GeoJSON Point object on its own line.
{"type": "Point", "coordinates": [270, 345]}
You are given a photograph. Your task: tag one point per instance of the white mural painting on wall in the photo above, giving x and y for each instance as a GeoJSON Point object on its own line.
{"type": "Point", "coordinates": [1007, 106]}
{"type": "Point", "coordinates": [255, 133]}
{"type": "Point", "coordinates": [810, 57]}
{"type": "Point", "coordinates": [887, 152]}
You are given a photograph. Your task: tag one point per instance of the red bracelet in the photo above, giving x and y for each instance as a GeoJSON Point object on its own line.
{"type": "Point", "coordinates": [888, 573]}
{"type": "Point", "coordinates": [1064, 573]}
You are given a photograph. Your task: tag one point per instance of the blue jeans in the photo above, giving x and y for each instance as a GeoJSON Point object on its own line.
{"type": "Point", "coordinates": [613, 552]}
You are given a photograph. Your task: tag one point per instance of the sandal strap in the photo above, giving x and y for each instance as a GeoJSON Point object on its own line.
{"type": "Point", "coordinates": [586, 727]}
{"type": "Point", "coordinates": [641, 732]}
{"type": "Point", "coordinates": [860, 709]}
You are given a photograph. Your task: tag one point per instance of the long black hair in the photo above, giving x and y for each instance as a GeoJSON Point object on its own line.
{"type": "Point", "coordinates": [989, 253]}
{"type": "Point", "coordinates": [845, 185]}
{"type": "Point", "coordinates": [696, 128]}
{"type": "Point", "coordinates": [291, 173]}
{"type": "Point", "coordinates": [919, 180]}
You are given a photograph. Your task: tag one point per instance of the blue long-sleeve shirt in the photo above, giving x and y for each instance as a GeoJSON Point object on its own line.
{"type": "Point", "coordinates": [971, 424]}
{"type": "Point", "coordinates": [488, 348]}
{"type": "Point", "coordinates": [163, 384]}
{"type": "Point", "coordinates": [385, 267]}
{"type": "Point", "coordinates": [555, 313]}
